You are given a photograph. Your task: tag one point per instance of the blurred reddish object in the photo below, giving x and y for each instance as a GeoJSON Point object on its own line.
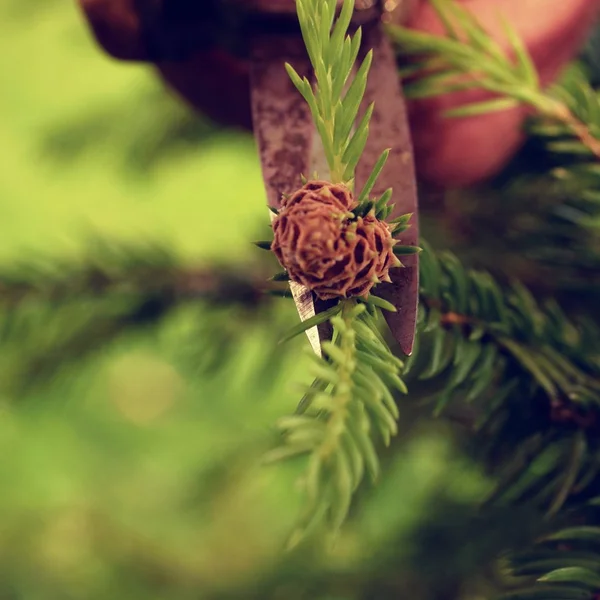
{"type": "Point", "coordinates": [462, 151]}
{"type": "Point", "coordinates": [448, 152]}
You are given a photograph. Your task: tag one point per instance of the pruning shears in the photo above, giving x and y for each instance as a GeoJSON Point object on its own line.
{"type": "Point", "coordinates": [289, 147]}
{"type": "Point", "coordinates": [266, 34]}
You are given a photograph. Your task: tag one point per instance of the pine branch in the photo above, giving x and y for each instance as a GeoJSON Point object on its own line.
{"type": "Point", "coordinates": [474, 334]}
{"type": "Point", "coordinates": [531, 375]}
{"type": "Point", "coordinates": [515, 361]}
{"type": "Point", "coordinates": [55, 314]}
{"type": "Point", "coordinates": [135, 270]}
{"type": "Point", "coordinates": [550, 221]}
{"type": "Point", "coordinates": [564, 563]}
{"type": "Point", "coordinates": [346, 409]}
{"type": "Point", "coordinates": [351, 395]}
{"type": "Point", "coordinates": [469, 58]}
{"type": "Point", "coordinates": [335, 100]}
{"type": "Point", "coordinates": [471, 304]}
{"type": "Point", "coordinates": [575, 161]}
{"type": "Point", "coordinates": [544, 459]}
{"type": "Point", "coordinates": [533, 378]}
{"type": "Point", "coordinates": [566, 123]}
{"type": "Point", "coordinates": [333, 54]}
{"type": "Point", "coordinates": [577, 111]}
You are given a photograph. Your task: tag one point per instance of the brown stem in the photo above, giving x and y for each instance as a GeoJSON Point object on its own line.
{"type": "Point", "coordinates": [452, 318]}
{"type": "Point", "coordinates": [562, 409]}
{"type": "Point", "coordinates": [225, 286]}
{"type": "Point", "coordinates": [562, 113]}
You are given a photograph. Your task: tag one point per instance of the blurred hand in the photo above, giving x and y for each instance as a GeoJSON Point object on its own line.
{"type": "Point", "coordinates": [463, 151]}
{"type": "Point", "coordinates": [448, 152]}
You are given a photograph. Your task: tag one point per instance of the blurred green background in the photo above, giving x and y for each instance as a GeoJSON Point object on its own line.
{"type": "Point", "coordinates": [136, 473]}
{"type": "Point", "coordinates": [91, 143]}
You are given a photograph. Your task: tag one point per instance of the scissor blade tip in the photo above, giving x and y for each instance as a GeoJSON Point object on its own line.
{"type": "Point", "coordinates": [407, 348]}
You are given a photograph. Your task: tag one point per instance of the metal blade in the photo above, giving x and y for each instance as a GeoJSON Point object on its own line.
{"type": "Point", "coordinates": [287, 143]}
{"type": "Point", "coordinates": [389, 129]}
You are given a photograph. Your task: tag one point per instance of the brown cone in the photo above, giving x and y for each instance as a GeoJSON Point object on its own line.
{"type": "Point", "coordinates": [323, 247]}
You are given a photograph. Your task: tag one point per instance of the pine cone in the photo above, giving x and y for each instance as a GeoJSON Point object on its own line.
{"type": "Point", "coordinates": [336, 195]}
{"type": "Point", "coordinates": [324, 247]}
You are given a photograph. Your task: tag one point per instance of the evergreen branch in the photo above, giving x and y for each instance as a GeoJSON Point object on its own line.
{"type": "Point", "coordinates": [557, 240]}
{"type": "Point", "coordinates": [560, 355]}
{"type": "Point", "coordinates": [553, 222]}
{"type": "Point", "coordinates": [532, 376]}
{"type": "Point", "coordinates": [471, 337]}
{"type": "Point", "coordinates": [471, 304]}
{"type": "Point", "coordinates": [57, 313]}
{"type": "Point", "coordinates": [346, 409]}
{"type": "Point", "coordinates": [553, 217]}
{"type": "Point", "coordinates": [333, 54]}
{"type": "Point", "coordinates": [514, 360]}
{"type": "Point", "coordinates": [578, 110]}
{"type": "Point", "coordinates": [314, 321]}
{"type": "Point", "coordinates": [468, 57]}
{"type": "Point", "coordinates": [136, 270]}
{"type": "Point", "coordinates": [351, 395]}
{"type": "Point", "coordinates": [562, 564]}
{"type": "Point", "coordinates": [577, 164]}
{"type": "Point", "coordinates": [344, 421]}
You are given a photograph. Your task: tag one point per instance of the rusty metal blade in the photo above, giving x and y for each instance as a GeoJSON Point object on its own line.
{"type": "Point", "coordinates": [287, 143]}
{"type": "Point", "coordinates": [289, 147]}
{"type": "Point", "coordinates": [389, 129]}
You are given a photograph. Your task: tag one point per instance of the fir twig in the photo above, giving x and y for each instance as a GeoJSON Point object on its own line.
{"type": "Point", "coordinates": [57, 313]}
{"type": "Point", "coordinates": [351, 395]}
{"type": "Point", "coordinates": [335, 99]}
{"type": "Point", "coordinates": [345, 409]}
{"type": "Point", "coordinates": [135, 270]}
{"type": "Point", "coordinates": [514, 361]}
{"type": "Point", "coordinates": [563, 563]}
{"type": "Point", "coordinates": [468, 57]}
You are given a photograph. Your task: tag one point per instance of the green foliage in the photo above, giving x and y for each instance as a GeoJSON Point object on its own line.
{"type": "Point", "coordinates": [128, 500]}
{"type": "Point", "coordinates": [546, 202]}
{"type": "Point", "coordinates": [336, 99]}
{"type": "Point", "coordinates": [528, 377]}
{"type": "Point", "coordinates": [476, 341]}
{"type": "Point", "coordinates": [318, 319]}
{"type": "Point", "coordinates": [348, 407]}
{"type": "Point", "coordinates": [575, 159]}
{"type": "Point", "coordinates": [564, 563]}
{"type": "Point", "coordinates": [469, 58]}
{"type": "Point", "coordinates": [511, 404]}
{"type": "Point", "coordinates": [551, 222]}
{"type": "Point", "coordinates": [58, 312]}
{"type": "Point", "coordinates": [137, 474]}
{"type": "Point", "coordinates": [472, 302]}
{"type": "Point", "coordinates": [353, 380]}
{"type": "Point", "coordinates": [491, 345]}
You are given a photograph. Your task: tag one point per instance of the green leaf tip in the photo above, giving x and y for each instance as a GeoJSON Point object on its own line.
{"type": "Point", "coordinates": [263, 244]}
{"type": "Point", "coordinates": [283, 276]}
{"type": "Point", "coordinates": [380, 303]}
{"type": "Point", "coordinates": [336, 96]}
{"type": "Point", "coordinates": [317, 319]}
{"type": "Point", "coordinates": [406, 250]}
